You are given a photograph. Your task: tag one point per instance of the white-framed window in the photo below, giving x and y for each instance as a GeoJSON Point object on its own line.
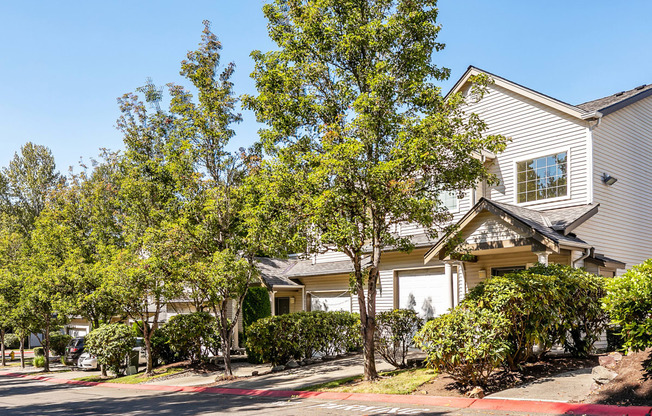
{"type": "Point", "coordinates": [450, 201]}
{"type": "Point", "coordinates": [542, 178]}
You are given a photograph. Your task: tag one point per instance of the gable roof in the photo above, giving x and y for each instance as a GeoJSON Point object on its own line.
{"type": "Point", "coordinates": [551, 228]}
{"type": "Point", "coordinates": [585, 111]}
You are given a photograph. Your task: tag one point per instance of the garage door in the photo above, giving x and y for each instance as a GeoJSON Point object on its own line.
{"type": "Point", "coordinates": [423, 291]}
{"type": "Point", "coordinates": [330, 301]}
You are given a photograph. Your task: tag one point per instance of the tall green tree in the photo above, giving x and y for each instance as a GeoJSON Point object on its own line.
{"type": "Point", "coordinates": [217, 238]}
{"type": "Point", "coordinates": [27, 181]}
{"type": "Point", "coordinates": [144, 272]}
{"type": "Point", "coordinates": [361, 136]}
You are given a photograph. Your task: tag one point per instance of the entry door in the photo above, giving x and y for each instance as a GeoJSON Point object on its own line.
{"type": "Point", "coordinates": [424, 291]}
{"type": "Point", "coordinates": [282, 306]}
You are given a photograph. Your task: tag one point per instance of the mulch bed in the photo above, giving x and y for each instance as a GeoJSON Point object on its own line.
{"type": "Point", "coordinates": [632, 387]}
{"type": "Point", "coordinates": [444, 385]}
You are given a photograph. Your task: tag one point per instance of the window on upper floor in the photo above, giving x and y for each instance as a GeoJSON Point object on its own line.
{"type": "Point", "coordinates": [542, 178]}
{"type": "Point", "coordinates": [449, 200]}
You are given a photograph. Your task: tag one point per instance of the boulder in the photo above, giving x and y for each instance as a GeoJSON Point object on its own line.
{"type": "Point", "coordinates": [292, 364]}
{"type": "Point", "coordinates": [254, 373]}
{"type": "Point", "coordinates": [607, 361]}
{"type": "Point", "coordinates": [602, 375]}
{"type": "Point", "coordinates": [476, 393]}
{"type": "Point", "coordinates": [278, 368]}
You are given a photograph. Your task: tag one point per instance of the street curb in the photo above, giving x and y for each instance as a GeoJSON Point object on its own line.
{"type": "Point", "coordinates": [529, 406]}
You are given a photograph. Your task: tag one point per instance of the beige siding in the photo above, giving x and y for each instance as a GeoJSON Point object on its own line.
{"type": "Point", "coordinates": [535, 130]}
{"type": "Point", "coordinates": [622, 147]}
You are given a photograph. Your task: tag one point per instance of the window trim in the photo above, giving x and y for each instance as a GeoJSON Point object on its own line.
{"type": "Point", "coordinates": [537, 155]}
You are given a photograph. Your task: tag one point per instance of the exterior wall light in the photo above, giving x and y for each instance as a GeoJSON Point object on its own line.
{"type": "Point", "coordinates": [608, 179]}
{"type": "Point", "coordinates": [482, 273]}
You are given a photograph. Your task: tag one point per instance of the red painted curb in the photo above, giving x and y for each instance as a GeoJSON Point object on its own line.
{"type": "Point", "coordinates": [529, 406]}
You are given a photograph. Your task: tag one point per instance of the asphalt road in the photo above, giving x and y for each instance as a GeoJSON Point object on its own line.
{"type": "Point", "coordinates": [22, 397]}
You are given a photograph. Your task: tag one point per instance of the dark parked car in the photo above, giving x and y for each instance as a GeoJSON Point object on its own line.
{"type": "Point", "coordinates": [74, 349]}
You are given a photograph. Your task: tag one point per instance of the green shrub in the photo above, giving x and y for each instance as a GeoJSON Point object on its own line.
{"type": "Point", "coordinates": [629, 302]}
{"type": "Point", "coordinates": [188, 332]}
{"type": "Point", "coordinates": [469, 343]}
{"type": "Point", "coordinates": [110, 343]}
{"type": "Point", "coordinates": [12, 341]}
{"type": "Point", "coordinates": [395, 331]}
{"type": "Point", "coordinates": [161, 351]}
{"type": "Point", "coordinates": [256, 305]}
{"type": "Point", "coordinates": [38, 361]}
{"type": "Point", "coordinates": [58, 343]}
{"type": "Point", "coordinates": [278, 339]}
{"type": "Point", "coordinates": [39, 352]}
{"type": "Point", "coordinates": [581, 318]}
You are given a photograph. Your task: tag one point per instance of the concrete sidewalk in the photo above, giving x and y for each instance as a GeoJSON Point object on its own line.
{"type": "Point", "coordinates": [291, 379]}
{"type": "Point", "coordinates": [569, 387]}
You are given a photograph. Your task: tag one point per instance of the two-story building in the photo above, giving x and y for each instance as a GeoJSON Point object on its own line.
{"type": "Point", "coordinates": [573, 190]}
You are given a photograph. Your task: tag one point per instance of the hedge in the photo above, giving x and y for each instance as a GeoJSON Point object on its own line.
{"type": "Point", "coordinates": [277, 339]}
{"type": "Point", "coordinates": [188, 333]}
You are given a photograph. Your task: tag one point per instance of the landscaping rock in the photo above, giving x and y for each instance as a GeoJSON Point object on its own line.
{"type": "Point", "coordinates": [329, 357]}
{"type": "Point", "coordinates": [254, 373]}
{"type": "Point", "coordinates": [607, 361]}
{"type": "Point", "coordinates": [278, 368]}
{"type": "Point", "coordinates": [602, 375]}
{"type": "Point", "coordinates": [476, 393]}
{"type": "Point", "coordinates": [292, 364]}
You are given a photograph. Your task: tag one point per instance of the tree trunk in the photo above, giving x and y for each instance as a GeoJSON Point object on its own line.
{"type": "Point", "coordinates": [367, 320]}
{"type": "Point", "coordinates": [2, 346]}
{"type": "Point", "coordinates": [226, 332]}
{"type": "Point", "coordinates": [103, 369]}
{"type": "Point", "coordinates": [46, 347]}
{"type": "Point", "coordinates": [148, 347]}
{"type": "Point", "coordinates": [22, 352]}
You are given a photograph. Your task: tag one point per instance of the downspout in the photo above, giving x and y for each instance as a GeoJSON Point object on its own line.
{"type": "Point", "coordinates": [588, 252]}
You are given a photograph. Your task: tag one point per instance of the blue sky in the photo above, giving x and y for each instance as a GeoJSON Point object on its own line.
{"type": "Point", "coordinates": [62, 64]}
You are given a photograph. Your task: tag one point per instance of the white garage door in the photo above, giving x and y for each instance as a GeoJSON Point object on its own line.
{"type": "Point", "coordinates": [423, 291]}
{"type": "Point", "coordinates": [330, 301]}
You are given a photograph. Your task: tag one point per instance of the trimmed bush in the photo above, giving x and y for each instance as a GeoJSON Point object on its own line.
{"type": "Point", "coordinates": [395, 331]}
{"type": "Point", "coordinates": [110, 343]}
{"type": "Point", "coordinates": [278, 339]}
{"type": "Point", "coordinates": [58, 343]}
{"type": "Point", "coordinates": [39, 352]}
{"type": "Point", "coordinates": [469, 343]}
{"type": "Point", "coordinates": [38, 361]}
{"type": "Point", "coordinates": [256, 305]}
{"type": "Point", "coordinates": [12, 341]}
{"type": "Point", "coordinates": [187, 334]}
{"type": "Point", "coordinates": [629, 302]}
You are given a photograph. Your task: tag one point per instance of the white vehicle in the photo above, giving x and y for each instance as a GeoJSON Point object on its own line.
{"type": "Point", "coordinates": [88, 362]}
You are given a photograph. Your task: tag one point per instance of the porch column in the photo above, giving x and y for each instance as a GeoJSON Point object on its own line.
{"type": "Point", "coordinates": [449, 297]}
{"type": "Point", "coordinates": [542, 257]}
{"type": "Point", "coordinates": [271, 300]}
{"type": "Point", "coordinates": [461, 278]}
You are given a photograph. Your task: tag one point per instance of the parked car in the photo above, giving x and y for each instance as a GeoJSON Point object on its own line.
{"type": "Point", "coordinates": [88, 362]}
{"type": "Point", "coordinates": [74, 350]}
